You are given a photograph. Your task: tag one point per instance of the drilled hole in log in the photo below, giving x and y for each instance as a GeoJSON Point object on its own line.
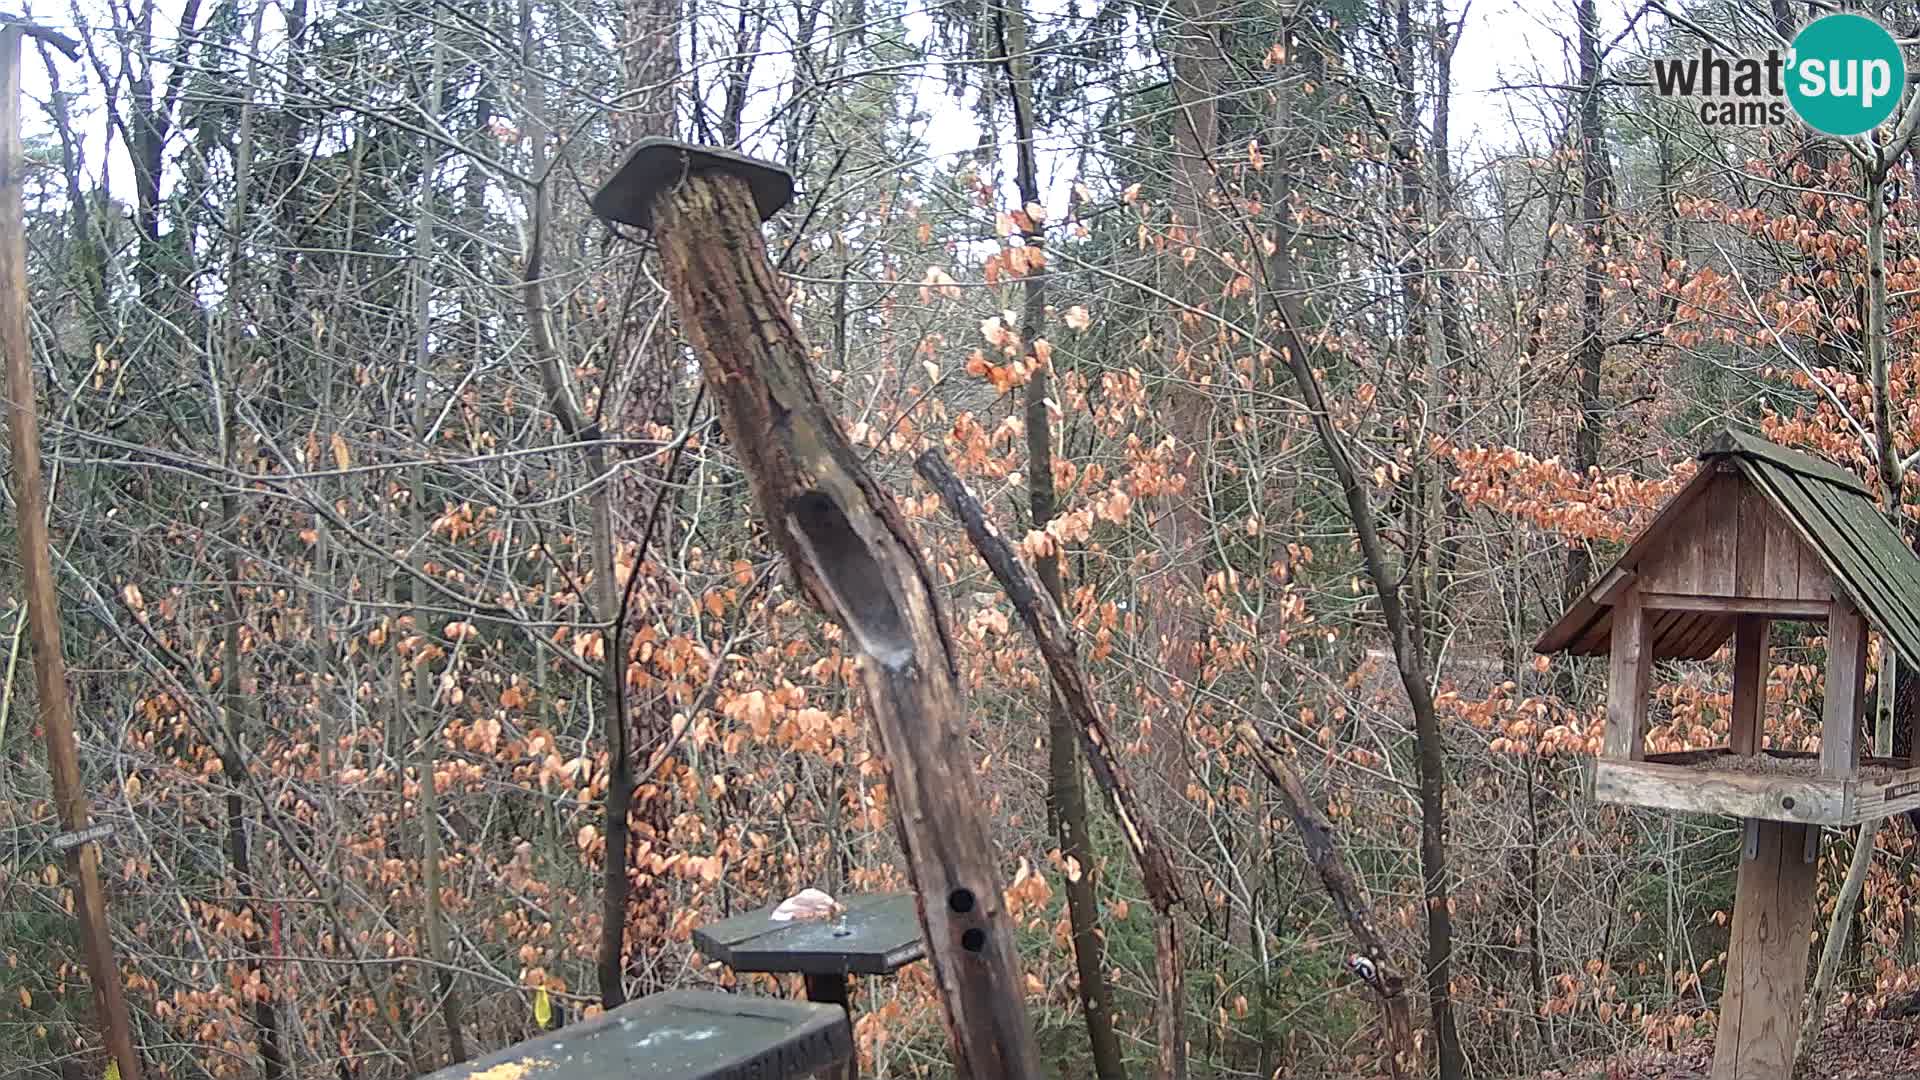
{"type": "Point", "coordinates": [961, 900]}
{"type": "Point", "coordinates": [1786, 803]}
{"type": "Point", "coordinates": [974, 940]}
{"type": "Point", "coordinates": [854, 577]}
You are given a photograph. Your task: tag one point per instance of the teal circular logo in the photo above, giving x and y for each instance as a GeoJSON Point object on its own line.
{"type": "Point", "coordinates": [1846, 74]}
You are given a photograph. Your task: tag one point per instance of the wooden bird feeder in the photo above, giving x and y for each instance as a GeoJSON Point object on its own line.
{"type": "Point", "coordinates": [1762, 534]}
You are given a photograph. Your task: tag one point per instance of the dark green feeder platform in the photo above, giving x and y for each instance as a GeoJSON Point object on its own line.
{"type": "Point", "coordinates": [878, 935]}
{"type": "Point", "coordinates": [679, 1035]}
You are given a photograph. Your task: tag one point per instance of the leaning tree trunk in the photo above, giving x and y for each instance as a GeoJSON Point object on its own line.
{"type": "Point", "coordinates": [848, 545]}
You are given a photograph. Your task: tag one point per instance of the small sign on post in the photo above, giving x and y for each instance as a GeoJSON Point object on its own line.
{"type": "Point", "coordinates": [68, 841]}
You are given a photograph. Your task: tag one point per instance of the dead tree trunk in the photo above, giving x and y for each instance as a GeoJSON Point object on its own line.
{"type": "Point", "coordinates": [1054, 637]}
{"type": "Point", "coordinates": [848, 546]}
{"type": "Point", "coordinates": [36, 570]}
{"type": "Point", "coordinates": [1035, 603]}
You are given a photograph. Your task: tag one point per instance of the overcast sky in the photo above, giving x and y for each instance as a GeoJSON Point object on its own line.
{"type": "Point", "coordinates": [1507, 43]}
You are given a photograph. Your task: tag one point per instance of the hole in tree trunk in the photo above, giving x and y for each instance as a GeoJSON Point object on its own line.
{"type": "Point", "coordinates": [855, 578]}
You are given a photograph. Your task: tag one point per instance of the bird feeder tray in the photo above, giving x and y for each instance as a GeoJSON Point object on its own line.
{"type": "Point", "coordinates": [878, 935]}
{"type": "Point", "coordinates": [657, 165]}
{"type": "Point", "coordinates": [1776, 785]}
{"type": "Point", "coordinates": [679, 1035]}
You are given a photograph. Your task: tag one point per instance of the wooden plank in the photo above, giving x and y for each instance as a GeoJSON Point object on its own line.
{"type": "Point", "coordinates": [1731, 442]}
{"type": "Point", "coordinates": [1805, 799]}
{"type": "Point", "coordinates": [1898, 569]}
{"type": "Point", "coordinates": [1750, 666]}
{"type": "Point", "coordinates": [1667, 631]}
{"type": "Point", "coordinates": [1578, 615]}
{"type": "Point", "coordinates": [1773, 910]}
{"type": "Point", "coordinates": [1825, 530]}
{"type": "Point", "coordinates": [1888, 562]}
{"type": "Point", "coordinates": [1687, 757]}
{"type": "Point", "coordinates": [1877, 570]}
{"type": "Point", "coordinates": [1718, 541]}
{"type": "Point", "coordinates": [1629, 671]}
{"type": "Point", "coordinates": [1611, 584]}
{"type": "Point", "coordinates": [1782, 572]}
{"type": "Point", "coordinates": [1811, 610]}
{"type": "Point", "coordinates": [1846, 691]}
{"type": "Point", "coordinates": [1708, 635]}
{"type": "Point", "coordinates": [1750, 555]}
{"type": "Point", "coordinates": [1594, 640]}
{"type": "Point", "coordinates": [1816, 583]}
{"type": "Point", "coordinates": [1899, 794]}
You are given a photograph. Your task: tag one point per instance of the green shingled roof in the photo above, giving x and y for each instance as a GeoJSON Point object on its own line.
{"type": "Point", "coordinates": [1838, 518]}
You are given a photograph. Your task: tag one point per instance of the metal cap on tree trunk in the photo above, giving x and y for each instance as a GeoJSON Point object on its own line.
{"type": "Point", "coordinates": [657, 165]}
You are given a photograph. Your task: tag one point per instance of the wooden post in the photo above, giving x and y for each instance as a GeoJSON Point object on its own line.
{"type": "Point", "coordinates": [36, 567]}
{"type": "Point", "coordinates": [1629, 671]}
{"type": "Point", "coordinates": [1747, 732]}
{"type": "Point", "coordinates": [1773, 911]}
{"type": "Point", "coordinates": [1846, 690]}
{"type": "Point", "coordinates": [848, 545]}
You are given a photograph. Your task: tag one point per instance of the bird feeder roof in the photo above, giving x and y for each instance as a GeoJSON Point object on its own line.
{"type": "Point", "coordinates": [1839, 529]}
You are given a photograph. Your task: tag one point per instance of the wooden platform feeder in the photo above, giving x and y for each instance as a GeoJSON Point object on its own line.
{"type": "Point", "coordinates": [1762, 534]}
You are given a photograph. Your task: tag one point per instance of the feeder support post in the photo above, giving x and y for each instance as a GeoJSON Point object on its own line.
{"type": "Point", "coordinates": [848, 546]}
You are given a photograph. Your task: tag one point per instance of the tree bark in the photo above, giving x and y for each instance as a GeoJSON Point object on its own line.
{"type": "Point", "coordinates": [36, 562]}
{"type": "Point", "coordinates": [1033, 598]}
{"type": "Point", "coordinates": [1589, 356]}
{"type": "Point", "coordinates": [235, 696]}
{"type": "Point", "coordinates": [426, 729]}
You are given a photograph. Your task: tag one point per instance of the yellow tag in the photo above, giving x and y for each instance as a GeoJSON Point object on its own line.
{"type": "Point", "coordinates": [542, 1012]}
{"type": "Point", "coordinates": [113, 1070]}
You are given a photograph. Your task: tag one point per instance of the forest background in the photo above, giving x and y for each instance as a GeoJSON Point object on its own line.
{"type": "Point", "coordinates": [404, 566]}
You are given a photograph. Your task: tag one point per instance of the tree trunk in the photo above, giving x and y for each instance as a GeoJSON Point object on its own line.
{"type": "Point", "coordinates": [1592, 350]}
{"type": "Point", "coordinates": [235, 695]}
{"type": "Point", "coordinates": [426, 729]}
{"type": "Point", "coordinates": [848, 544]}
{"type": "Point", "coordinates": [1067, 799]}
{"type": "Point", "coordinates": [1282, 290]}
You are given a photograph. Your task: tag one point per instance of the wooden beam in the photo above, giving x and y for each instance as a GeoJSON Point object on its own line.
{"type": "Point", "coordinates": [1773, 912]}
{"type": "Point", "coordinates": [848, 544]}
{"type": "Point", "coordinates": [1808, 800]}
{"type": "Point", "coordinates": [1611, 584]}
{"type": "Point", "coordinates": [1810, 610]}
{"type": "Point", "coordinates": [1629, 670]}
{"type": "Point", "coordinates": [1846, 690]}
{"type": "Point", "coordinates": [1750, 667]}
{"type": "Point", "coordinates": [36, 573]}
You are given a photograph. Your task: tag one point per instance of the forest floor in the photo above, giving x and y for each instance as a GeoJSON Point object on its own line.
{"type": "Point", "coordinates": [1851, 1048]}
